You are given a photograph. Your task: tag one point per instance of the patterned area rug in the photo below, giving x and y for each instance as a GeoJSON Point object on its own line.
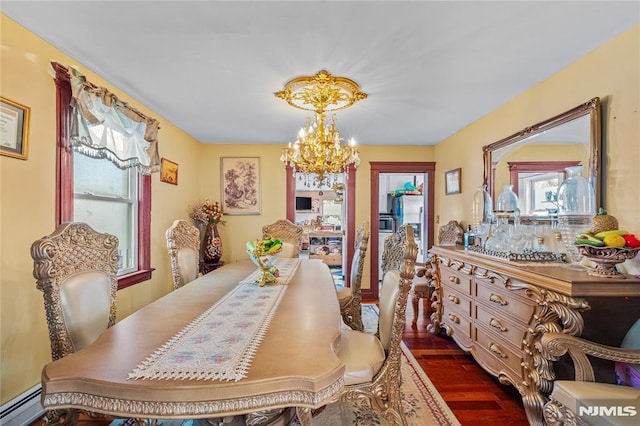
{"type": "Point", "coordinates": [423, 405]}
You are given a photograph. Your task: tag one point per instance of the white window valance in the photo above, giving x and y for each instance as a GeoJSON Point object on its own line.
{"type": "Point", "coordinates": [102, 126]}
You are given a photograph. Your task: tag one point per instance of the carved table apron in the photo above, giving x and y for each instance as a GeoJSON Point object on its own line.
{"type": "Point", "coordinates": [499, 310]}
{"type": "Point", "coordinates": [294, 366]}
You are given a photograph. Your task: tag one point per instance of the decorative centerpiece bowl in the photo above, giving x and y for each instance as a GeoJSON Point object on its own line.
{"type": "Point", "coordinates": [264, 254]}
{"type": "Point", "coordinates": [606, 259]}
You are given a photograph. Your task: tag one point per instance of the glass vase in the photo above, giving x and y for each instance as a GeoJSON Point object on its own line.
{"type": "Point", "coordinates": [507, 200]}
{"type": "Point", "coordinates": [576, 208]}
{"type": "Point", "coordinates": [482, 208]}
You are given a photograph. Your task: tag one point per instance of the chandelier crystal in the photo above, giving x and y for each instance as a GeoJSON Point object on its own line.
{"type": "Point", "coordinates": [319, 149]}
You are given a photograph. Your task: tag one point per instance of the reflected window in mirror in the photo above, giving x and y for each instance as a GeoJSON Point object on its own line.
{"type": "Point", "coordinates": [536, 184]}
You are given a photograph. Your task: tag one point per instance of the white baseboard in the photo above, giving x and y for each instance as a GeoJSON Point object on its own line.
{"type": "Point", "coordinates": [22, 410]}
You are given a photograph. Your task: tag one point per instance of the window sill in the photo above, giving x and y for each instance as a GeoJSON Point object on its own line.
{"type": "Point", "coordinates": [134, 278]}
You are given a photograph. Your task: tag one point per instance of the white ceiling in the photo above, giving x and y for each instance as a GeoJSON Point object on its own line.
{"type": "Point", "coordinates": [430, 67]}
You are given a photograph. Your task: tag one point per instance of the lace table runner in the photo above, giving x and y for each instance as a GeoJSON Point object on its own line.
{"type": "Point", "coordinates": [220, 343]}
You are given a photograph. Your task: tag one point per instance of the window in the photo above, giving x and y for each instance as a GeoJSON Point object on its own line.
{"type": "Point", "coordinates": [96, 191]}
{"type": "Point", "coordinates": [106, 198]}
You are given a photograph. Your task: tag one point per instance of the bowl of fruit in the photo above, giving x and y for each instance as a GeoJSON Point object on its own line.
{"type": "Point", "coordinates": [607, 247]}
{"type": "Point", "coordinates": [264, 254]}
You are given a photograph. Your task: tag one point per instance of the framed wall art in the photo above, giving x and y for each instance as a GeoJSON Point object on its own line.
{"type": "Point", "coordinates": [452, 181]}
{"type": "Point", "coordinates": [240, 177]}
{"type": "Point", "coordinates": [14, 129]}
{"type": "Point", "coordinates": [168, 171]}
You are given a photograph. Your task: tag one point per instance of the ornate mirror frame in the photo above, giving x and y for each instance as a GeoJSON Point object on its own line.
{"type": "Point", "coordinates": [594, 174]}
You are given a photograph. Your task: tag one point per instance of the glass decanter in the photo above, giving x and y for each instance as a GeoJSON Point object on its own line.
{"type": "Point", "coordinates": [576, 208]}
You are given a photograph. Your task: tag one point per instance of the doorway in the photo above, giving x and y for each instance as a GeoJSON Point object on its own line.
{"type": "Point", "coordinates": [426, 233]}
{"type": "Point", "coordinates": [348, 206]}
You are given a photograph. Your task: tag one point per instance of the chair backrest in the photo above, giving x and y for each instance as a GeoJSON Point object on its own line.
{"type": "Point", "coordinates": [357, 262]}
{"type": "Point", "coordinates": [183, 241]}
{"type": "Point", "coordinates": [398, 265]}
{"type": "Point", "coordinates": [289, 233]}
{"type": "Point", "coordinates": [76, 269]}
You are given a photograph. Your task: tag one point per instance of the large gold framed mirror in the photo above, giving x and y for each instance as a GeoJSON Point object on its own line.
{"type": "Point", "coordinates": [534, 159]}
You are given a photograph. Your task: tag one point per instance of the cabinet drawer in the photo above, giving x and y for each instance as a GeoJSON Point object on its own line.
{"type": "Point", "coordinates": [504, 301]}
{"type": "Point", "coordinates": [456, 280]}
{"type": "Point", "coordinates": [461, 326]}
{"type": "Point", "coordinates": [496, 352]}
{"type": "Point", "coordinates": [492, 320]}
{"type": "Point", "coordinates": [457, 301]}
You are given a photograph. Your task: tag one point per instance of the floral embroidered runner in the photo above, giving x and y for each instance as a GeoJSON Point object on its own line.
{"type": "Point", "coordinates": [220, 343]}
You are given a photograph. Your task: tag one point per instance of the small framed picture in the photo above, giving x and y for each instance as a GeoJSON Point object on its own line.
{"type": "Point", "coordinates": [14, 129]}
{"type": "Point", "coordinates": [240, 177]}
{"type": "Point", "coordinates": [452, 181]}
{"type": "Point", "coordinates": [168, 171]}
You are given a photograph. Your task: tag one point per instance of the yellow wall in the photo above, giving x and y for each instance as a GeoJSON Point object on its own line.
{"type": "Point", "coordinates": [27, 205]}
{"type": "Point", "coordinates": [611, 72]}
{"type": "Point", "coordinates": [27, 188]}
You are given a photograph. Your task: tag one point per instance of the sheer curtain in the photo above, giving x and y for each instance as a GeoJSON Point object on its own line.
{"type": "Point", "coordinates": [102, 126]}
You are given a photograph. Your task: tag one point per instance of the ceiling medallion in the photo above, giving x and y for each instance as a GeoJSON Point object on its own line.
{"type": "Point", "coordinates": [319, 149]}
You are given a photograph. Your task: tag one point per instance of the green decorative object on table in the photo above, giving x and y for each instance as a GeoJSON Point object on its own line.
{"type": "Point", "coordinates": [264, 254]}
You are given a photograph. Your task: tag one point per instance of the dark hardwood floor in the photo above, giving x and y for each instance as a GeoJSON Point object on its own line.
{"type": "Point", "coordinates": [474, 396]}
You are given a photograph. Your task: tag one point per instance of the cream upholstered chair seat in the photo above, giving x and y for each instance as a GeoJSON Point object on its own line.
{"type": "Point", "coordinates": [350, 298]}
{"type": "Point", "coordinates": [289, 233]}
{"type": "Point", "coordinates": [183, 242]}
{"type": "Point", "coordinates": [76, 269]}
{"type": "Point", "coordinates": [372, 362]}
{"type": "Point", "coordinates": [568, 396]}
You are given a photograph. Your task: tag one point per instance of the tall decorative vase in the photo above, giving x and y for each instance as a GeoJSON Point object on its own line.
{"type": "Point", "coordinates": [211, 248]}
{"type": "Point", "coordinates": [576, 208]}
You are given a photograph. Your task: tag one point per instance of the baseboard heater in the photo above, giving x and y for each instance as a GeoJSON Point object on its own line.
{"type": "Point", "coordinates": [22, 410]}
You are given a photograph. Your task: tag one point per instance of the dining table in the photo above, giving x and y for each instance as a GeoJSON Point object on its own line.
{"type": "Point", "coordinates": [140, 367]}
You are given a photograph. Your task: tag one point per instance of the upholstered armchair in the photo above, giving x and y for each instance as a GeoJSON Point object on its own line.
{"type": "Point", "coordinates": [289, 233]}
{"type": "Point", "coordinates": [351, 297]}
{"type": "Point", "coordinates": [372, 362]}
{"type": "Point", "coordinates": [183, 241]}
{"type": "Point", "coordinates": [75, 267]}
{"type": "Point", "coordinates": [584, 401]}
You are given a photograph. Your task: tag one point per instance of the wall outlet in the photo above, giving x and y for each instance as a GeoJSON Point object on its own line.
{"type": "Point", "coordinates": [437, 219]}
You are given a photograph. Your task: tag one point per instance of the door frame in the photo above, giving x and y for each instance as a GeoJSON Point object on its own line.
{"type": "Point", "coordinates": [350, 197]}
{"type": "Point", "coordinates": [378, 167]}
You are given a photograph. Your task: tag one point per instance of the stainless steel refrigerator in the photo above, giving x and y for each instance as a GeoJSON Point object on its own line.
{"type": "Point", "coordinates": [409, 210]}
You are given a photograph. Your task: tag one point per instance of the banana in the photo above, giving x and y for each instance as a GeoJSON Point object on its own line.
{"type": "Point", "coordinates": [601, 235]}
{"type": "Point", "coordinates": [276, 248]}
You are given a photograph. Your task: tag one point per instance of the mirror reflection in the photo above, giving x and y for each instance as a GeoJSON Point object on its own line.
{"type": "Point", "coordinates": [533, 161]}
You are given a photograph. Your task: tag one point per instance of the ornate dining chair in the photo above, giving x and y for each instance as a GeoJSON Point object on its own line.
{"type": "Point", "coordinates": [183, 241]}
{"type": "Point", "coordinates": [422, 288]}
{"type": "Point", "coordinates": [75, 267]}
{"type": "Point", "coordinates": [289, 233]}
{"type": "Point", "coordinates": [603, 403]}
{"type": "Point", "coordinates": [372, 362]}
{"type": "Point", "coordinates": [351, 297]}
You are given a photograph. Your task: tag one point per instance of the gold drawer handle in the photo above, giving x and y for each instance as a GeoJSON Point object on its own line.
{"type": "Point", "coordinates": [454, 299]}
{"type": "Point", "coordinates": [497, 324]}
{"type": "Point", "coordinates": [454, 318]}
{"type": "Point", "coordinates": [454, 280]}
{"type": "Point", "coordinates": [496, 349]}
{"type": "Point", "coordinates": [497, 299]}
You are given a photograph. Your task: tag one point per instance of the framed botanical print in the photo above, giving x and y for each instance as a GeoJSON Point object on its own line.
{"type": "Point", "coordinates": [452, 181]}
{"type": "Point", "coordinates": [240, 178]}
{"type": "Point", "coordinates": [14, 129]}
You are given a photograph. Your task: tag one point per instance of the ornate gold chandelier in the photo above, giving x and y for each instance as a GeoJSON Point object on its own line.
{"type": "Point", "coordinates": [319, 148]}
